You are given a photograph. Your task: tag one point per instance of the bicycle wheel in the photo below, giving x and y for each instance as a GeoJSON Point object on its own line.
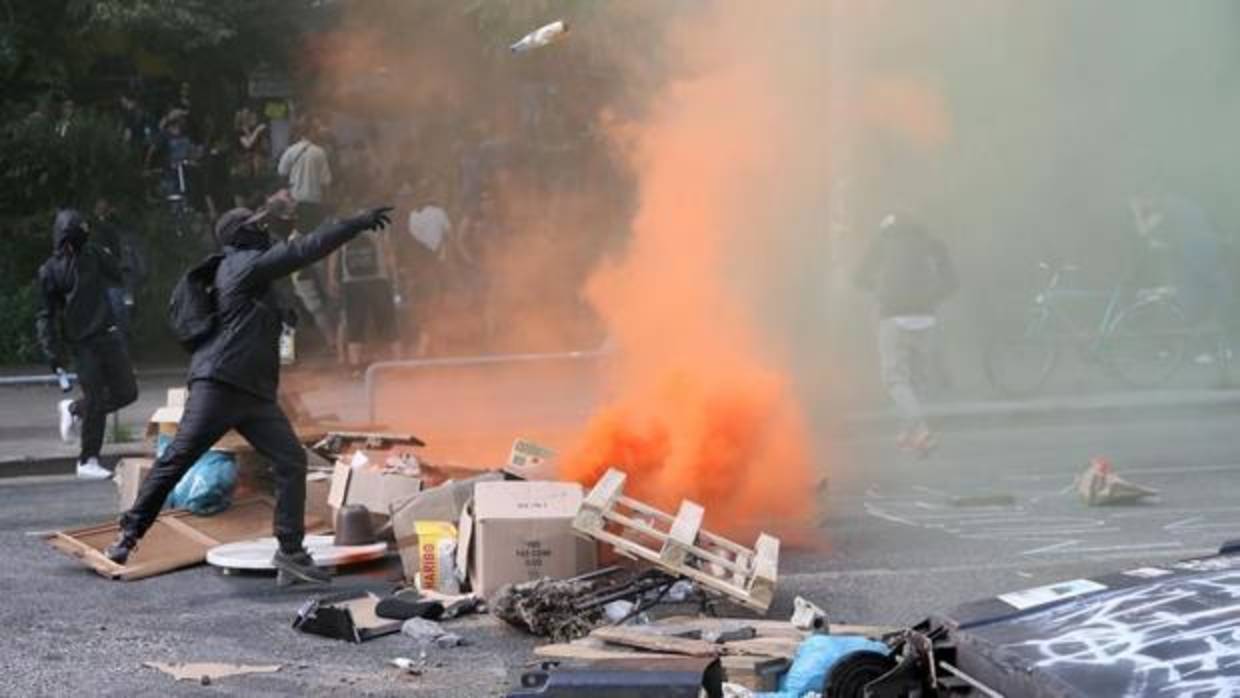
{"type": "Point", "coordinates": [1147, 343]}
{"type": "Point", "coordinates": [1020, 359]}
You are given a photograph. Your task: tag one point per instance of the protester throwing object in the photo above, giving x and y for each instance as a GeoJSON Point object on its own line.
{"type": "Point", "coordinates": [227, 313]}
{"type": "Point", "coordinates": [75, 308]}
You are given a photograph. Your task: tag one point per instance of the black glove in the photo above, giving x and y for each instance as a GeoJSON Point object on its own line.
{"type": "Point", "coordinates": [375, 218]}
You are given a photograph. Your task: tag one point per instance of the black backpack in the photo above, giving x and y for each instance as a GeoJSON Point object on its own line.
{"type": "Point", "coordinates": [192, 309]}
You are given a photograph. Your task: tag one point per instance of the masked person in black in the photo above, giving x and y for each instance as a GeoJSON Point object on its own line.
{"type": "Point", "coordinates": [73, 286]}
{"type": "Point", "coordinates": [233, 378]}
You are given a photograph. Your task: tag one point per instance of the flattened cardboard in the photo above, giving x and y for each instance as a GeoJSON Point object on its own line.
{"type": "Point", "coordinates": [370, 488]}
{"type": "Point", "coordinates": [210, 670]}
{"type": "Point", "coordinates": [530, 461]}
{"type": "Point", "coordinates": [523, 531]}
{"type": "Point", "coordinates": [128, 477]}
{"type": "Point", "coordinates": [177, 539]}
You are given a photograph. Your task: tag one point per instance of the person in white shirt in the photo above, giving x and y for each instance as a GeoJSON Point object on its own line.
{"type": "Point", "coordinates": [305, 165]}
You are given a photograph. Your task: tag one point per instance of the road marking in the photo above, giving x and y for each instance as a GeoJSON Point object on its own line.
{"type": "Point", "coordinates": [1114, 548]}
{"type": "Point", "coordinates": [1053, 546]}
{"type": "Point", "coordinates": [1035, 477]}
{"type": "Point", "coordinates": [1023, 564]}
{"type": "Point", "coordinates": [879, 513]}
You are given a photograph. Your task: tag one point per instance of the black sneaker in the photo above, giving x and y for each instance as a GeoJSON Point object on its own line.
{"type": "Point", "coordinates": [298, 568]}
{"type": "Point", "coordinates": [121, 548]}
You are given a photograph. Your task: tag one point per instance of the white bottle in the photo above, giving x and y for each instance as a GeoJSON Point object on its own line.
{"type": "Point", "coordinates": [288, 345]}
{"type": "Point", "coordinates": [540, 37]}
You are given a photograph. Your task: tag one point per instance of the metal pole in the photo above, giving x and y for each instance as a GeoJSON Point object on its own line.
{"type": "Point", "coordinates": [50, 379]}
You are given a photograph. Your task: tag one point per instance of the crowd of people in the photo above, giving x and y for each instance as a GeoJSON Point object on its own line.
{"type": "Point", "coordinates": [377, 298]}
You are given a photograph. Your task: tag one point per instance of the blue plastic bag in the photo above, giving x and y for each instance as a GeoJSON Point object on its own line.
{"type": "Point", "coordinates": [814, 659]}
{"type": "Point", "coordinates": [208, 486]}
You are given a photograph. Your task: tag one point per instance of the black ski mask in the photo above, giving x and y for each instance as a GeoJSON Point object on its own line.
{"type": "Point", "coordinates": [69, 231]}
{"type": "Point", "coordinates": [241, 228]}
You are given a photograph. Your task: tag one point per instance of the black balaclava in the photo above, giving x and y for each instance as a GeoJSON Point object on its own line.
{"type": "Point", "coordinates": [240, 229]}
{"type": "Point", "coordinates": [69, 230]}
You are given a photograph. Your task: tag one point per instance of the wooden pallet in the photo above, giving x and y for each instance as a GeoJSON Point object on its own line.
{"type": "Point", "coordinates": [678, 543]}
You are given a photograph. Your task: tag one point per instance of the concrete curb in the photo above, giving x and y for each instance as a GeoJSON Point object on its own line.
{"type": "Point", "coordinates": [66, 465]}
{"type": "Point", "coordinates": [1053, 410]}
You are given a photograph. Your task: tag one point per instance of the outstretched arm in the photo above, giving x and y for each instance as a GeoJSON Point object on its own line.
{"type": "Point", "coordinates": [285, 258]}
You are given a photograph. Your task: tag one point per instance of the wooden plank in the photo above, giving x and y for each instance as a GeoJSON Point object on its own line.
{"type": "Point", "coordinates": [683, 533]}
{"type": "Point", "coordinates": [785, 647]}
{"type": "Point", "coordinates": [598, 502]}
{"type": "Point", "coordinates": [765, 569]}
{"type": "Point", "coordinates": [710, 625]}
{"type": "Point", "coordinates": [595, 651]}
{"type": "Point", "coordinates": [654, 642]}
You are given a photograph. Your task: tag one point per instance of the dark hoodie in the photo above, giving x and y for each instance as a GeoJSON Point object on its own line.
{"type": "Point", "coordinates": [908, 271]}
{"type": "Point", "coordinates": [244, 350]}
{"type": "Point", "coordinates": [73, 285]}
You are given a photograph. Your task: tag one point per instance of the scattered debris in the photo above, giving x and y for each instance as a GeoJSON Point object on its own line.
{"type": "Point", "coordinates": [1100, 485]}
{"type": "Point", "coordinates": [642, 639]}
{"type": "Point", "coordinates": [844, 663]}
{"type": "Point", "coordinates": [530, 461]}
{"type": "Point", "coordinates": [402, 609]}
{"type": "Point", "coordinates": [754, 673]}
{"type": "Point", "coordinates": [565, 609]}
{"type": "Point", "coordinates": [806, 615]}
{"type": "Point", "coordinates": [736, 690]}
{"type": "Point", "coordinates": [680, 546]}
{"type": "Point", "coordinates": [407, 665]}
{"type": "Point", "coordinates": [350, 617]}
{"type": "Point", "coordinates": [206, 672]}
{"type": "Point", "coordinates": [428, 632]}
{"type": "Point", "coordinates": [455, 605]}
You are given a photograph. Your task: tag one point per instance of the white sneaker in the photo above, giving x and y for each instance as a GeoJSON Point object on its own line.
{"type": "Point", "coordinates": [70, 423]}
{"type": "Point", "coordinates": [91, 470]}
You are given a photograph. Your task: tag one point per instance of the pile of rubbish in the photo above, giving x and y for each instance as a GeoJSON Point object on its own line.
{"type": "Point", "coordinates": [591, 571]}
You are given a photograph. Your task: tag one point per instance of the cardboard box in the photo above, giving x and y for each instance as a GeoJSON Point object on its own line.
{"type": "Point", "coordinates": [128, 476]}
{"type": "Point", "coordinates": [523, 531]}
{"type": "Point", "coordinates": [369, 487]}
{"type": "Point", "coordinates": [442, 503]}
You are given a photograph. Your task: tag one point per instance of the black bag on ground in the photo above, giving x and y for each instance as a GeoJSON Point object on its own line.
{"type": "Point", "coordinates": [192, 310]}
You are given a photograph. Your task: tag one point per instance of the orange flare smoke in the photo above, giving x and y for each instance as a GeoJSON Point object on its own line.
{"type": "Point", "coordinates": [700, 408]}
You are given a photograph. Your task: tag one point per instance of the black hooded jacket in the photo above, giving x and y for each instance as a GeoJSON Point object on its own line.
{"type": "Point", "coordinates": [73, 285]}
{"type": "Point", "coordinates": [244, 350]}
{"type": "Point", "coordinates": [909, 271]}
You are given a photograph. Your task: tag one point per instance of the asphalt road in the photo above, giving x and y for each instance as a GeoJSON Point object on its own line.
{"type": "Point", "coordinates": [892, 550]}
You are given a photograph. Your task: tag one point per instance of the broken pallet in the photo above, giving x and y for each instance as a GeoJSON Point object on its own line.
{"type": "Point", "coordinates": [679, 544]}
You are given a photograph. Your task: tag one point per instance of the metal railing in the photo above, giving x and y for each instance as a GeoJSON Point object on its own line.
{"type": "Point", "coordinates": [38, 379]}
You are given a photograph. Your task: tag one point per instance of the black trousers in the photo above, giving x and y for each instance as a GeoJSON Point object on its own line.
{"type": "Point", "coordinates": [210, 412]}
{"type": "Point", "coordinates": [108, 384]}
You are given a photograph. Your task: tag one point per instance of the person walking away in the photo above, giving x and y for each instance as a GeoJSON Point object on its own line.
{"type": "Point", "coordinates": [75, 308]}
{"type": "Point", "coordinates": [366, 272]}
{"type": "Point", "coordinates": [910, 273]}
{"type": "Point", "coordinates": [304, 165]}
{"type": "Point", "coordinates": [234, 375]}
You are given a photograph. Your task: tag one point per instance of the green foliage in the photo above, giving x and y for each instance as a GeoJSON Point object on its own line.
{"type": "Point", "coordinates": [40, 169]}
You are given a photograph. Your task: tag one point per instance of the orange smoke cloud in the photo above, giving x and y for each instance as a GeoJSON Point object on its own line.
{"type": "Point", "coordinates": [700, 408]}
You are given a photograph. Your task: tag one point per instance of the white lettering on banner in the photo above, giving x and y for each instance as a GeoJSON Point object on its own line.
{"type": "Point", "coordinates": [1180, 637]}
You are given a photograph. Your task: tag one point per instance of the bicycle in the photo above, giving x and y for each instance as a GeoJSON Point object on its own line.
{"type": "Point", "coordinates": [1142, 337]}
